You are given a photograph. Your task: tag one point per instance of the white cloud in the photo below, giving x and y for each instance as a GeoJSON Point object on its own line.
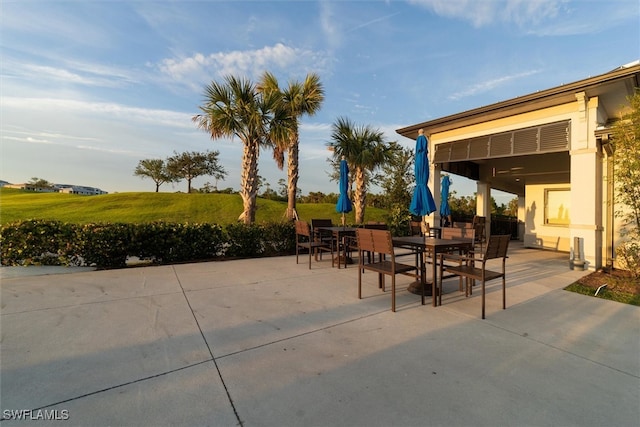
{"type": "Point", "coordinates": [105, 110]}
{"type": "Point", "coordinates": [486, 12]}
{"type": "Point", "coordinates": [328, 25]}
{"type": "Point", "coordinates": [194, 70]}
{"type": "Point", "coordinates": [490, 84]}
{"type": "Point", "coordinates": [69, 73]}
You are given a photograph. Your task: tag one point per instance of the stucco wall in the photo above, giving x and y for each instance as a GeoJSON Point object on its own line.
{"type": "Point", "coordinates": [537, 234]}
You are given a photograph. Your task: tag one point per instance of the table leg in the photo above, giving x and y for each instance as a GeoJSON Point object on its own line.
{"type": "Point", "coordinates": [417, 286]}
{"type": "Point", "coordinates": [434, 278]}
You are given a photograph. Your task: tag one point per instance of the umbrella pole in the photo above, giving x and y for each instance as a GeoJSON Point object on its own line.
{"type": "Point", "coordinates": [416, 287]}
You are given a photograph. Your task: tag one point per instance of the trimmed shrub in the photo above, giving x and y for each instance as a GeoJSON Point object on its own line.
{"type": "Point", "coordinates": [244, 240]}
{"type": "Point", "coordinates": [279, 238]}
{"type": "Point", "coordinates": [37, 242]}
{"type": "Point", "coordinates": [105, 245]}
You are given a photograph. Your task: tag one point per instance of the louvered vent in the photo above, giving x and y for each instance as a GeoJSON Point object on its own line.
{"type": "Point", "coordinates": [442, 153]}
{"type": "Point", "coordinates": [554, 137]}
{"type": "Point", "coordinates": [525, 141]}
{"type": "Point", "coordinates": [459, 150]}
{"type": "Point", "coordinates": [500, 145]}
{"type": "Point", "coordinates": [479, 148]}
{"type": "Point", "coordinates": [539, 139]}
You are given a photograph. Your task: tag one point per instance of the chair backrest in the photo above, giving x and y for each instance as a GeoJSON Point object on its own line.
{"type": "Point", "coordinates": [415, 228]}
{"type": "Point", "coordinates": [376, 241]}
{"type": "Point", "coordinates": [497, 246]}
{"type": "Point", "coordinates": [457, 233]}
{"type": "Point", "coordinates": [479, 219]}
{"type": "Point", "coordinates": [302, 228]}
{"type": "Point", "coordinates": [462, 225]}
{"type": "Point", "coordinates": [321, 223]}
{"type": "Point", "coordinates": [376, 226]}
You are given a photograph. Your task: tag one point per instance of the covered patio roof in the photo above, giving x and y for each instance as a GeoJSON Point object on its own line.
{"type": "Point", "coordinates": [526, 163]}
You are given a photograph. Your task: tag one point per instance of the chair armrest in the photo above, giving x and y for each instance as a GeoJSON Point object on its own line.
{"type": "Point", "coordinates": [444, 256]}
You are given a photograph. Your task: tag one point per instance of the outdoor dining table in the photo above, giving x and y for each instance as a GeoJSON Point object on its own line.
{"type": "Point", "coordinates": [338, 234]}
{"type": "Point", "coordinates": [429, 245]}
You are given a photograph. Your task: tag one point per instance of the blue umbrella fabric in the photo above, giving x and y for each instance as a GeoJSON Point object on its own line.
{"type": "Point", "coordinates": [422, 202]}
{"type": "Point", "coordinates": [445, 210]}
{"type": "Point", "coordinates": [344, 204]}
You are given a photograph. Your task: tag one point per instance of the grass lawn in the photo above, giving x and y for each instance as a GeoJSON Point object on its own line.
{"type": "Point", "coordinates": [621, 286]}
{"type": "Point", "coordinates": [16, 205]}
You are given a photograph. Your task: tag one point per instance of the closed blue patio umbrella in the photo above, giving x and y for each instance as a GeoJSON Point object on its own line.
{"type": "Point", "coordinates": [422, 202]}
{"type": "Point", "coordinates": [344, 204]}
{"type": "Point", "coordinates": [445, 210]}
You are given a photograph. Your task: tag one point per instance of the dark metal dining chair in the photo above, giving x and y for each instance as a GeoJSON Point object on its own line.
{"type": "Point", "coordinates": [473, 268]}
{"type": "Point", "coordinates": [306, 240]}
{"type": "Point", "coordinates": [380, 242]}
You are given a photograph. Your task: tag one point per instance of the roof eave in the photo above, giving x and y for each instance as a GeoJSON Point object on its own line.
{"type": "Point", "coordinates": [542, 99]}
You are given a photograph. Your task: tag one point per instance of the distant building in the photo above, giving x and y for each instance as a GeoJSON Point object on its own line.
{"type": "Point", "coordinates": [30, 187]}
{"type": "Point", "coordinates": [78, 189]}
{"type": "Point", "coordinates": [57, 188]}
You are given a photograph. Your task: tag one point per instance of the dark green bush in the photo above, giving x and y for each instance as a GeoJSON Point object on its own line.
{"type": "Point", "coordinates": [279, 238]}
{"type": "Point", "coordinates": [37, 242]}
{"type": "Point", "coordinates": [197, 242]}
{"type": "Point", "coordinates": [105, 245]}
{"type": "Point", "coordinates": [154, 241]}
{"type": "Point", "coordinates": [244, 240]}
{"type": "Point", "coordinates": [109, 245]}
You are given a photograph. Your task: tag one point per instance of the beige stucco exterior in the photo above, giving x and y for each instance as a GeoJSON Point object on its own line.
{"type": "Point", "coordinates": [565, 202]}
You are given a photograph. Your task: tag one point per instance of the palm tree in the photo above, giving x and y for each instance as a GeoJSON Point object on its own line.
{"type": "Point", "coordinates": [365, 150]}
{"type": "Point", "coordinates": [297, 100]}
{"type": "Point", "coordinates": [235, 108]}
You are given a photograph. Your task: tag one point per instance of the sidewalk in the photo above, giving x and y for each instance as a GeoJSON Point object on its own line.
{"type": "Point", "coordinates": [266, 342]}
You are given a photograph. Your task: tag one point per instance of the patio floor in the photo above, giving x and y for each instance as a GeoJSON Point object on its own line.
{"type": "Point", "coordinates": [266, 342]}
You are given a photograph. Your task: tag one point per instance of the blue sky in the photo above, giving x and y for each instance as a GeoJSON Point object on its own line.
{"type": "Point", "coordinates": [90, 88]}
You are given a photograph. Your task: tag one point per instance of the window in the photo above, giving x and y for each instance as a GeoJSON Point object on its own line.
{"type": "Point", "coordinates": [557, 204]}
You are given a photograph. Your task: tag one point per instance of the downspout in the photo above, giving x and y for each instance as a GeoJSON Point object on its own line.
{"type": "Point", "coordinates": [607, 147]}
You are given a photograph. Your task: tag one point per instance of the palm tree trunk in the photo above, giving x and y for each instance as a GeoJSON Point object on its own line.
{"type": "Point", "coordinates": [249, 182]}
{"type": "Point", "coordinates": [359, 198]}
{"type": "Point", "coordinates": [293, 174]}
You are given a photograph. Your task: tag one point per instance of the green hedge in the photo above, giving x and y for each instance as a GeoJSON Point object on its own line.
{"type": "Point", "coordinates": [108, 245]}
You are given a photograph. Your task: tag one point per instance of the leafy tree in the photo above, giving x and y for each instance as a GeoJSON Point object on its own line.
{"type": "Point", "coordinates": [40, 183]}
{"type": "Point", "coordinates": [512, 207]}
{"type": "Point", "coordinates": [190, 165]}
{"type": "Point", "coordinates": [397, 181]}
{"type": "Point", "coordinates": [397, 178]}
{"type": "Point", "coordinates": [364, 149]}
{"type": "Point", "coordinates": [463, 206]}
{"type": "Point", "coordinates": [297, 99]}
{"type": "Point", "coordinates": [283, 193]}
{"type": "Point", "coordinates": [156, 169]}
{"type": "Point", "coordinates": [626, 142]}
{"type": "Point", "coordinates": [234, 107]}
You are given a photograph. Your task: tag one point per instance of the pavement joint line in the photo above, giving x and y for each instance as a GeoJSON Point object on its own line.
{"type": "Point", "coordinates": [489, 323]}
{"type": "Point", "coordinates": [562, 350]}
{"type": "Point", "coordinates": [313, 331]}
{"type": "Point", "coordinates": [213, 359]}
{"type": "Point", "coordinates": [89, 303]}
{"type": "Point", "coordinates": [161, 374]}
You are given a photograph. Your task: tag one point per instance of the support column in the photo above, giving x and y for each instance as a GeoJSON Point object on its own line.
{"type": "Point", "coordinates": [483, 204]}
{"type": "Point", "coordinates": [586, 183]}
{"type": "Point", "coordinates": [522, 216]}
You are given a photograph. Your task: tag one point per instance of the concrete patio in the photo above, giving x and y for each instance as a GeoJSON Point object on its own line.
{"type": "Point", "coordinates": [266, 342]}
